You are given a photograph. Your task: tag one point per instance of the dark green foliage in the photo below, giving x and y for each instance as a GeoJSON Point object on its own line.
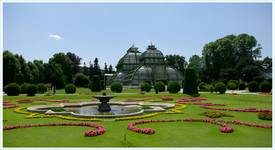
{"type": "Point", "coordinates": [265, 115]}
{"type": "Point", "coordinates": [242, 86]}
{"type": "Point", "coordinates": [41, 88]}
{"type": "Point", "coordinates": [57, 109]}
{"type": "Point", "coordinates": [220, 87]}
{"type": "Point", "coordinates": [55, 75]}
{"type": "Point", "coordinates": [145, 87]}
{"type": "Point", "coordinates": [70, 88]}
{"type": "Point", "coordinates": [12, 89]}
{"type": "Point", "coordinates": [96, 85]}
{"type": "Point", "coordinates": [116, 87]}
{"type": "Point", "coordinates": [253, 86]}
{"type": "Point", "coordinates": [11, 67]}
{"type": "Point", "coordinates": [173, 87]}
{"type": "Point", "coordinates": [176, 61]}
{"type": "Point", "coordinates": [24, 88]}
{"type": "Point", "coordinates": [19, 78]}
{"type": "Point", "coordinates": [190, 82]}
{"type": "Point", "coordinates": [232, 84]}
{"type": "Point", "coordinates": [203, 86]}
{"type": "Point", "coordinates": [265, 86]}
{"type": "Point", "coordinates": [31, 90]}
{"type": "Point", "coordinates": [215, 114]}
{"type": "Point", "coordinates": [259, 79]}
{"type": "Point", "coordinates": [81, 80]}
{"type": "Point", "coordinates": [159, 86]}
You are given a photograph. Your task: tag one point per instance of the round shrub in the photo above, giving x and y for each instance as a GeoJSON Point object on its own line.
{"type": "Point", "coordinates": [173, 87]}
{"type": "Point", "coordinates": [159, 86]}
{"type": "Point", "coordinates": [265, 86]}
{"type": "Point", "coordinates": [12, 89]}
{"type": "Point", "coordinates": [253, 86]}
{"type": "Point", "coordinates": [145, 87]}
{"type": "Point", "coordinates": [41, 88]}
{"type": "Point", "coordinates": [24, 88]}
{"type": "Point", "coordinates": [31, 90]}
{"type": "Point", "coordinates": [242, 86]}
{"type": "Point", "coordinates": [265, 115]}
{"type": "Point", "coordinates": [232, 84]}
{"type": "Point", "coordinates": [81, 80]}
{"type": "Point", "coordinates": [116, 87]}
{"type": "Point", "coordinates": [203, 86]}
{"type": "Point", "coordinates": [220, 87]}
{"type": "Point", "coordinates": [70, 88]}
{"type": "Point", "coordinates": [259, 79]}
{"type": "Point", "coordinates": [210, 88]}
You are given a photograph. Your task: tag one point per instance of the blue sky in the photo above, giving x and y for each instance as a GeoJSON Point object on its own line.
{"type": "Point", "coordinates": [107, 30]}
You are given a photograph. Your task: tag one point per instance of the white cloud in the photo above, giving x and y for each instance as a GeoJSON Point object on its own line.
{"type": "Point", "coordinates": [55, 37]}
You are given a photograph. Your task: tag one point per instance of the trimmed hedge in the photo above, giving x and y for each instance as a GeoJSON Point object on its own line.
{"type": "Point", "coordinates": [145, 87]}
{"type": "Point", "coordinates": [190, 82]}
{"type": "Point", "coordinates": [31, 90]}
{"type": "Point", "coordinates": [242, 86]}
{"type": "Point", "coordinates": [12, 89]}
{"type": "Point", "coordinates": [203, 86]}
{"type": "Point", "coordinates": [265, 86]}
{"type": "Point", "coordinates": [220, 87]}
{"type": "Point", "coordinates": [41, 88]}
{"type": "Point", "coordinates": [173, 87]}
{"type": "Point", "coordinates": [116, 87]}
{"type": "Point", "coordinates": [159, 87]}
{"type": "Point", "coordinates": [232, 84]}
{"type": "Point", "coordinates": [70, 88]}
{"type": "Point", "coordinates": [81, 80]}
{"type": "Point", "coordinates": [253, 86]}
{"type": "Point", "coordinates": [24, 88]}
{"type": "Point", "coordinates": [96, 84]}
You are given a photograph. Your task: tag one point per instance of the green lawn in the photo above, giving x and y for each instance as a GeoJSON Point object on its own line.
{"type": "Point", "coordinates": [177, 134]}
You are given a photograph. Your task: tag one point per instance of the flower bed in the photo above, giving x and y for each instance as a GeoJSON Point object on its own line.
{"type": "Point", "coordinates": [41, 100]}
{"type": "Point", "coordinates": [215, 114]}
{"type": "Point", "coordinates": [8, 104]}
{"type": "Point", "coordinates": [237, 122]}
{"type": "Point", "coordinates": [100, 129]}
{"type": "Point", "coordinates": [167, 98]}
{"type": "Point", "coordinates": [265, 115]}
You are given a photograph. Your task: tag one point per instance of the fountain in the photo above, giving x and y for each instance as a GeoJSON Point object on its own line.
{"type": "Point", "coordinates": [104, 105]}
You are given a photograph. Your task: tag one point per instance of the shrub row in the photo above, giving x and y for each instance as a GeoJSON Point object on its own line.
{"type": "Point", "coordinates": [13, 89]}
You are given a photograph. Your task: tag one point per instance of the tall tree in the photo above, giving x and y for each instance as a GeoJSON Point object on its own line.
{"type": "Point", "coordinates": [41, 68]}
{"type": "Point", "coordinates": [97, 70]}
{"type": "Point", "coordinates": [196, 63]}
{"type": "Point", "coordinates": [34, 73]}
{"type": "Point", "coordinates": [105, 68]}
{"type": "Point", "coordinates": [176, 61]}
{"type": "Point", "coordinates": [110, 69]}
{"type": "Point", "coordinates": [85, 69]}
{"type": "Point", "coordinates": [91, 71]}
{"type": "Point", "coordinates": [11, 67]}
{"type": "Point", "coordinates": [54, 74]}
{"type": "Point", "coordinates": [75, 62]}
{"type": "Point", "coordinates": [65, 63]}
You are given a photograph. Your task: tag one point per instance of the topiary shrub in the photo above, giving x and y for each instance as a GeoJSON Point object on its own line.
{"type": "Point", "coordinates": [232, 85]}
{"type": "Point", "coordinates": [210, 88]}
{"type": "Point", "coordinates": [173, 87]}
{"type": "Point", "coordinates": [116, 87]}
{"type": "Point", "coordinates": [265, 86]}
{"type": "Point", "coordinates": [12, 89]}
{"type": "Point", "coordinates": [145, 87]}
{"type": "Point", "coordinates": [253, 86]}
{"type": "Point", "coordinates": [70, 88]}
{"type": "Point", "coordinates": [41, 88]}
{"type": "Point", "coordinates": [259, 79]}
{"type": "Point", "coordinates": [81, 80]}
{"type": "Point", "coordinates": [190, 82]}
{"type": "Point", "coordinates": [220, 87]}
{"type": "Point", "coordinates": [96, 85]}
{"type": "Point", "coordinates": [203, 86]}
{"type": "Point", "coordinates": [242, 86]}
{"type": "Point", "coordinates": [31, 90]}
{"type": "Point", "coordinates": [24, 88]}
{"type": "Point", "coordinates": [159, 87]}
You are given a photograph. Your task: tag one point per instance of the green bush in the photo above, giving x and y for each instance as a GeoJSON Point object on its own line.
{"type": "Point", "coordinates": [81, 80]}
{"type": "Point", "coordinates": [265, 86]}
{"type": "Point", "coordinates": [12, 89]}
{"type": "Point", "coordinates": [96, 85]}
{"type": "Point", "coordinates": [203, 86]}
{"type": "Point", "coordinates": [145, 87]}
{"type": "Point", "coordinates": [220, 87]}
{"type": "Point", "coordinates": [190, 82]}
{"type": "Point", "coordinates": [259, 79]}
{"type": "Point", "coordinates": [116, 87]}
{"type": "Point", "coordinates": [253, 86]}
{"type": "Point", "coordinates": [242, 86]}
{"type": "Point", "coordinates": [159, 87]}
{"type": "Point", "coordinates": [265, 115]}
{"type": "Point", "coordinates": [232, 84]}
{"type": "Point", "coordinates": [70, 88]}
{"type": "Point", "coordinates": [31, 90]}
{"type": "Point", "coordinates": [41, 88]}
{"type": "Point", "coordinates": [173, 87]}
{"type": "Point", "coordinates": [24, 88]}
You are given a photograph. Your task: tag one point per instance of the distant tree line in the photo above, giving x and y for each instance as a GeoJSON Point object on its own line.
{"type": "Point", "coordinates": [60, 70]}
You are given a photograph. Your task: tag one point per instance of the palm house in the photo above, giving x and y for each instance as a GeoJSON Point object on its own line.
{"type": "Point", "coordinates": [135, 68]}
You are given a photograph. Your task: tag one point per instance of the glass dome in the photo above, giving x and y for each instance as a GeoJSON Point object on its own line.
{"type": "Point", "coordinates": [130, 60]}
{"type": "Point", "coordinates": [152, 56]}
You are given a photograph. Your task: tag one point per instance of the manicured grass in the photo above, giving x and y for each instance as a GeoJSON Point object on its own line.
{"type": "Point", "coordinates": [177, 134]}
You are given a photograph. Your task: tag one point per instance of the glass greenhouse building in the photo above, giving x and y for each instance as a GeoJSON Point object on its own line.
{"type": "Point", "coordinates": [136, 67]}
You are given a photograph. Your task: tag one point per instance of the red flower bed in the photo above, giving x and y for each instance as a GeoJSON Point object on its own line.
{"type": "Point", "coordinates": [167, 98]}
{"type": "Point", "coordinates": [8, 104]}
{"type": "Point", "coordinates": [226, 129]}
{"type": "Point", "coordinates": [246, 123]}
{"type": "Point", "coordinates": [40, 100]}
{"type": "Point", "coordinates": [100, 129]}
